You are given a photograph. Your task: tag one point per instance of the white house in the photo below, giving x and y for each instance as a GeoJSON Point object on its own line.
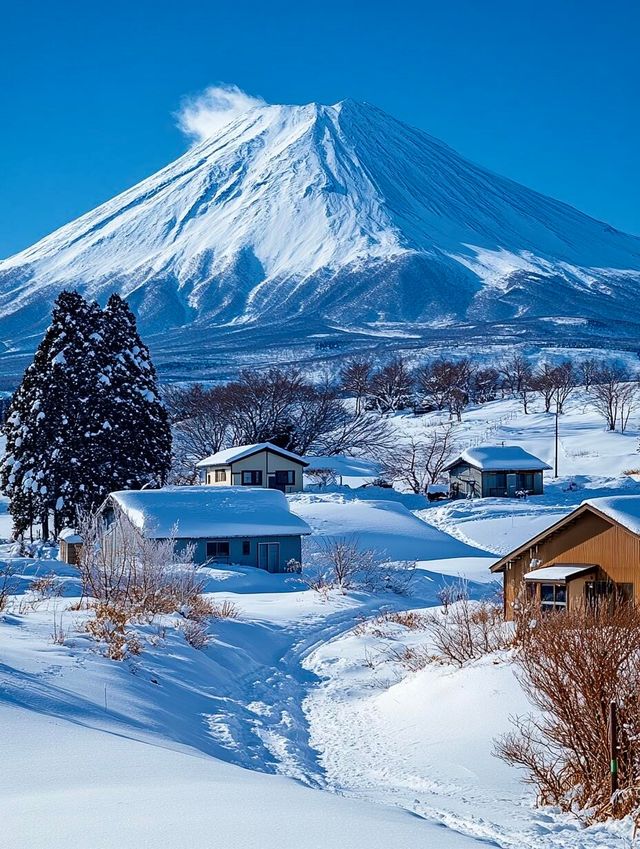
{"type": "Point", "coordinates": [259, 465]}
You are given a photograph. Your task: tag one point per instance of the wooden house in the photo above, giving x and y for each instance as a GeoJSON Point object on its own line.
{"type": "Point", "coordinates": [589, 555]}
{"type": "Point", "coordinates": [229, 525]}
{"type": "Point", "coordinates": [498, 471]}
{"type": "Point", "coordinates": [262, 464]}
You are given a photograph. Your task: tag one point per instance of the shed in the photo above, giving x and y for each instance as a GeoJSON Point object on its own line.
{"type": "Point", "coordinates": [502, 471]}
{"type": "Point", "coordinates": [245, 526]}
{"type": "Point", "coordinates": [70, 546]}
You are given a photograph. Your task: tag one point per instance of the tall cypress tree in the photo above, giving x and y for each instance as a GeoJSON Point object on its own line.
{"type": "Point", "coordinates": [141, 435]}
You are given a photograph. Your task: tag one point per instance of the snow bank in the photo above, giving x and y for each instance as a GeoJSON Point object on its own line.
{"type": "Point", "coordinates": [385, 526]}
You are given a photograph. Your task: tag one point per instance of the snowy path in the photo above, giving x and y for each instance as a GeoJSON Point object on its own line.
{"type": "Point", "coordinates": [423, 743]}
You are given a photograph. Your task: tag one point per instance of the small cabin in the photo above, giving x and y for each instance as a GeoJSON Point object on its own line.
{"type": "Point", "coordinates": [593, 554]}
{"type": "Point", "coordinates": [260, 465]}
{"type": "Point", "coordinates": [70, 546]}
{"type": "Point", "coordinates": [496, 471]}
{"type": "Point", "coordinates": [223, 525]}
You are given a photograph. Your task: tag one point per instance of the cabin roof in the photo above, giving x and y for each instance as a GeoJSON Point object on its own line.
{"type": "Point", "coordinates": [497, 458]}
{"type": "Point", "coordinates": [200, 512]}
{"type": "Point", "coordinates": [239, 452]}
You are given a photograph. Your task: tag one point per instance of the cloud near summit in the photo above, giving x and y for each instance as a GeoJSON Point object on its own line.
{"type": "Point", "coordinates": [202, 115]}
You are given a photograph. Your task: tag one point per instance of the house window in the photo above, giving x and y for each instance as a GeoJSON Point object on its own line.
{"type": "Point", "coordinates": [286, 477]}
{"type": "Point", "coordinates": [246, 547]}
{"type": "Point", "coordinates": [252, 478]}
{"type": "Point", "coordinates": [221, 475]}
{"type": "Point", "coordinates": [525, 481]}
{"type": "Point", "coordinates": [218, 549]}
{"type": "Point", "coordinates": [553, 596]}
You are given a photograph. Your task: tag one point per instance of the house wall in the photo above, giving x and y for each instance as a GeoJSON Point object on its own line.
{"type": "Point", "coordinates": [290, 549]}
{"type": "Point", "coordinates": [210, 476]}
{"type": "Point", "coordinates": [590, 539]}
{"type": "Point", "coordinates": [460, 474]}
{"type": "Point", "coordinates": [267, 462]}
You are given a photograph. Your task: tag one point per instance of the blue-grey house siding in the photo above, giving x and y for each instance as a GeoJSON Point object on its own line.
{"type": "Point", "coordinates": [245, 551]}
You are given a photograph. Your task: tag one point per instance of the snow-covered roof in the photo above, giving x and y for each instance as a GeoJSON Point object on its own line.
{"type": "Point", "coordinates": [623, 509]}
{"type": "Point", "coordinates": [70, 535]}
{"type": "Point", "coordinates": [198, 512]}
{"type": "Point", "coordinates": [238, 452]}
{"type": "Point", "coordinates": [558, 573]}
{"type": "Point", "coordinates": [510, 458]}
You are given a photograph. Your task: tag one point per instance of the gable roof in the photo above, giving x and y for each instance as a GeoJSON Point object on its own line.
{"type": "Point", "coordinates": [495, 458]}
{"type": "Point", "coordinates": [623, 510]}
{"type": "Point", "coordinates": [239, 452]}
{"type": "Point", "coordinates": [199, 512]}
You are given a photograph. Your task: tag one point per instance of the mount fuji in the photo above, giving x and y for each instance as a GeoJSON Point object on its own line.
{"type": "Point", "coordinates": [298, 223]}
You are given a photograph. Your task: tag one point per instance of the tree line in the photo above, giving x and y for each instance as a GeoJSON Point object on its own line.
{"type": "Point", "coordinates": [453, 384]}
{"type": "Point", "coordinates": [87, 418]}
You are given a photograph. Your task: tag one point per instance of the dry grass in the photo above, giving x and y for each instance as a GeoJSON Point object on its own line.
{"type": "Point", "coordinates": [467, 630]}
{"type": "Point", "coordinates": [195, 633]}
{"type": "Point", "coordinates": [412, 620]}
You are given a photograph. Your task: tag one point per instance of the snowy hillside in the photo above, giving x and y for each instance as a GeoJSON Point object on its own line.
{"type": "Point", "coordinates": [295, 219]}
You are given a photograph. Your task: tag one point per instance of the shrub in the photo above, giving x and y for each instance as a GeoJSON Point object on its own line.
{"type": "Point", "coordinates": [7, 584]}
{"type": "Point", "coordinates": [46, 586]}
{"type": "Point", "coordinates": [342, 564]}
{"type": "Point", "coordinates": [571, 667]}
{"type": "Point", "coordinates": [109, 626]}
{"type": "Point", "coordinates": [195, 633]}
{"type": "Point", "coordinates": [468, 630]}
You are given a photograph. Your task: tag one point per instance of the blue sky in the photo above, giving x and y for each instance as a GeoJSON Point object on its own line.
{"type": "Point", "coordinates": [544, 92]}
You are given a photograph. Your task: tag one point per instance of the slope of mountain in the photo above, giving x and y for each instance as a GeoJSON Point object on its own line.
{"type": "Point", "coordinates": [295, 219]}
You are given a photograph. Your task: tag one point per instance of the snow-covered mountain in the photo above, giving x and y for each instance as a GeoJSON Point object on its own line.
{"type": "Point", "coordinates": [333, 217]}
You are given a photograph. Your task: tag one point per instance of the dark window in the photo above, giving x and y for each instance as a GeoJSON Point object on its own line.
{"type": "Point", "coordinates": [246, 547]}
{"type": "Point", "coordinates": [218, 548]}
{"type": "Point", "coordinates": [221, 475]}
{"type": "Point", "coordinates": [252, 478]}
{"type": "Point", "coordinates": [553, 596]}
{"type": "Point", "coordinates": [286, 477]}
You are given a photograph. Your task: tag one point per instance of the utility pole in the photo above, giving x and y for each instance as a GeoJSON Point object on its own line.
{"type": "Point", "coordinates": [613, 750]}
{"type": "Point", "coordinates": [555, 467]}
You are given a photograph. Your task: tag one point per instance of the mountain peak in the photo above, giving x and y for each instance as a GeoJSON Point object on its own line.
{"type": "Point", "coordinates": [331, 215]}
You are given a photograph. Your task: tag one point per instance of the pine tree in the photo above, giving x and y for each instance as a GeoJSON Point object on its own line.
{"type": "Point", "coordinates": [138, 422]}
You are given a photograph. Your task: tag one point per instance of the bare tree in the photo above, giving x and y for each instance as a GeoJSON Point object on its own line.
{"type": "Point", "coordinates": [587, 370]}
{"type": "Point", "coordinates": [485, 384]}
{"type": "Point", "coordinates": [420, 460]}
{"type": "Point", "coordinates": [543, 381]}
{"type": "Point", "coordinates": [391, 387]}
{"type": "Point", "coordinates": [566, 380]}
{"type": "Point", "coordinates": [342, 563]}
{"type": "Point", "coordinates": [613, 391]}
{"type": "Point", "coordinates": [355, 380]}
{"type": "Point", "coordinates": [446, 384]}
{"type": "Point", "coordinates": [573, 664]}
{"type": "Point", "coordinates": [518, 378]}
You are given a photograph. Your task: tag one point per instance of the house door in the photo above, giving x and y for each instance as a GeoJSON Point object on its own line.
{"type": "Point", "coordinates": [512, 483]}
{"type": "Point", "coordinates": [269, 556]}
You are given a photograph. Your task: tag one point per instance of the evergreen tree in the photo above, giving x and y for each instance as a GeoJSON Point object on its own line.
{"type": "Point", "coordinates": [141, 436]}
{"type": "Point", "coordinates": [86, 419]}
{"type": "Point", "coordinates": [42, 470]}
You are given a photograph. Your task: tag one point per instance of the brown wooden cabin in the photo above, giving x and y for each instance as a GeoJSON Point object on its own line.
{"type": "Point", "coordinates": [591, 554]}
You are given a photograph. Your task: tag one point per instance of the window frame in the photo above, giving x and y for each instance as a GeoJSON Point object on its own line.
{"type": "Point", "coordinates": [256, 477]}
{"type": "Point", "coordinates": [554, 604]}
{"type": "Point", "coordinates": [218, 543]}
{"type": "Point", "coordinates": [246, 548]}
{"type": "Point", "coordinates": [220, 475]}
